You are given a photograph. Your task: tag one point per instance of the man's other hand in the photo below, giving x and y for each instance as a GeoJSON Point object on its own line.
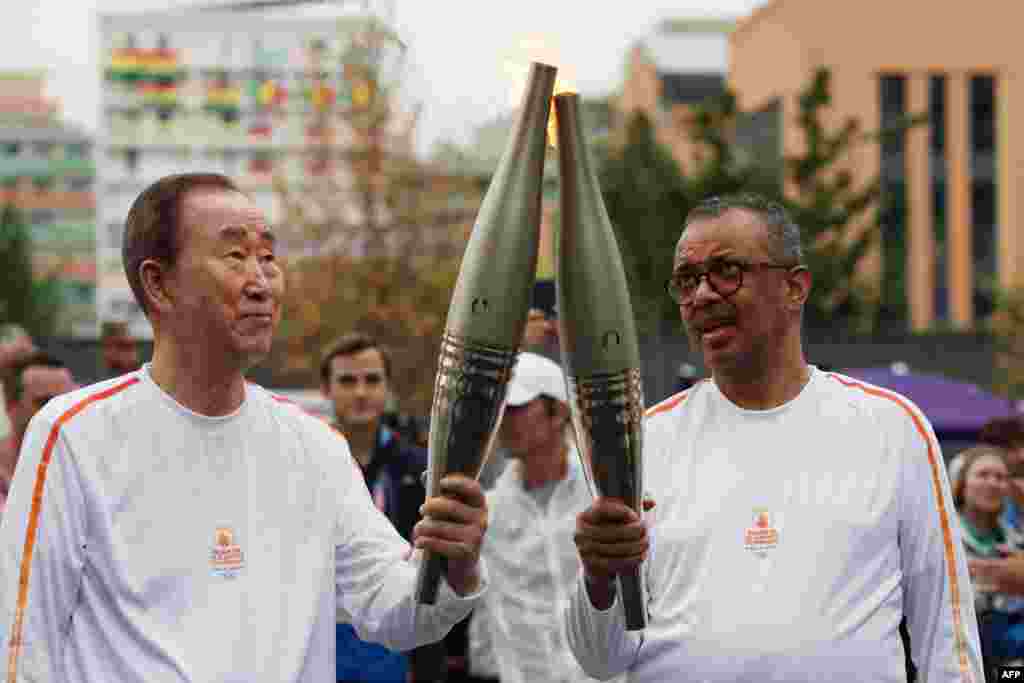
{"type": "Point", "coordinates": [610, 538]}
{"type": "Point", "coordinates": [453, 526]}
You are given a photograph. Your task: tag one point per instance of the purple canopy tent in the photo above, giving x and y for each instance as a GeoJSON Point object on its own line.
{"type": "Point", "coordinates": [957, 410]}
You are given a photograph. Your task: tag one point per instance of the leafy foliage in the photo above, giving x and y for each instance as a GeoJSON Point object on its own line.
{"type": "Point", "coordinates": [34, 303]}
{"type": "Point", "coordinates": [1007, 327]}
{"type": "Point", "coordinates": [374, 238]}
{"type": "Point", "coordinates": [648, 196]}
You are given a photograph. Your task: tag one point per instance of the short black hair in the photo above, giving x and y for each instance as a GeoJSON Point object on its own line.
{"type": "Point", "coordinates": [349, 345]}
{"type": "Point", "coordinates": [14, 386]}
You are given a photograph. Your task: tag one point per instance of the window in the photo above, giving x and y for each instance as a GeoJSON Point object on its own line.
{"type": "Point", "coordinates": [893, 213]}
{"type": "Point", "coordinates": [43, 149]}
{"type": "Point", "coordinates": [114, 233]}
{"type": "Point", "coordinates": [79, 184]}
{"type": "Point", "coordinates": [42, 216]}
{"type": "Point", "coordinates": [11, 149]}
{"type": "Point", "coordinates": [75, 151]}
{"type": "Point", "coordinates": [984, 190]}
{"type": "Point", "coordinates": [937, 164]}
{"type": "Point", "coordinates": [43, 183]}
{"type": "Point", "coordinates": [131, 160]}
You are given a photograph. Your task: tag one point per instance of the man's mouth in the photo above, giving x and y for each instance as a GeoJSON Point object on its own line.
{"type": "Point", "coordinates": [713, 325]}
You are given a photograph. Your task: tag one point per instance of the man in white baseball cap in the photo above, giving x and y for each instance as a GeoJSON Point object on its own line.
{"type": "Point", "coordinates": [517, 633]}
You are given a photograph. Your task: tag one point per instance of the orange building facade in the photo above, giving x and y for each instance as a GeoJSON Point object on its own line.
{"type": "Point", "coordinates": [952, 184]}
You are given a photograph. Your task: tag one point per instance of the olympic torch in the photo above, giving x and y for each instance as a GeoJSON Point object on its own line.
{"type": "Point", "coordinates": [488, 311]}
{"type": "Point", "coordinates": [598, 340]}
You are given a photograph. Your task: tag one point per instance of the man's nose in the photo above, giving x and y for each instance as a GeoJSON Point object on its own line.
{"type": "Point", "coordinates": [705, 292]}
{"type": "Point", "coordinates": [257, 284]}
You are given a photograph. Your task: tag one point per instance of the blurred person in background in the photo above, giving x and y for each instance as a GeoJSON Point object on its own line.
{"type": "Point", "coordinates": [120, 349]}
{"type": "Point", "coordinates": [541, 333]}
{"type": "Point", "coordinates": [1008, 434]}
{"type": "Point", "coordinates": [14, 343]}
{"type": "Point", "coordinates": [517, 635]}
{"type": "Point", "coordinates": [30, 381]}
{"type": "Point", "coordinates": [540, 337]}
{"type": "Point", "coordinates": [979, 494]}
{"type": "Point", "coordinates": [355, 375]}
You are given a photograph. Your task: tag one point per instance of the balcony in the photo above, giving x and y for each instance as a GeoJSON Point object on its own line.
{"type": "Point", "coordinates": [11, 168]}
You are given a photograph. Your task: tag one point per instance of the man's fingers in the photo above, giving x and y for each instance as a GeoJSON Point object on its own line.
{"type": "Point", "coordinates": [444, 508]}
{"type": "Point", "coordinates": [606, 511]}
{"type": "Point", "coordinates": [618, 533]}
{"type": "Point", "coordinates": [450, 531]}
{"type": "Point", "coordinates": [453, 550]}
{"type": "Point", "coordinates": [464, 489]}
{"type": "Point", "coordinates": [612, 550]}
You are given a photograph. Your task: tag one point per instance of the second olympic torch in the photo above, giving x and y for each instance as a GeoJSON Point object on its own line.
{"type": "Point", "coordinates": [599, 341]}
{"type": "Point", "coordinates": [489, 307]}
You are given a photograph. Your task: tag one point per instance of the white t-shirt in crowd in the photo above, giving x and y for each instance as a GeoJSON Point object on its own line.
{"type": "Point", "coordinates": [172, 546]}
{"type": "Point", "coordinates": [787, 544]}
{"type": "Point", "coordinates": [518, 631]}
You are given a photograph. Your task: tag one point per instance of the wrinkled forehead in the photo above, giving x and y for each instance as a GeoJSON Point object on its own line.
{"type": "Point", "coordinates": [216, 214]}
{"type": "Point", "coordinates": [44, 381]}
{"type": "Point", "coordinates": [736, 232]}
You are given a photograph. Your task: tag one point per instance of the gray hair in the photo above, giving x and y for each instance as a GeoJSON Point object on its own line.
{"type": "Point", "coordinates": [783, 234]}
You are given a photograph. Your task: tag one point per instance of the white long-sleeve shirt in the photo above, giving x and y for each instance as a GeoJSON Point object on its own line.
{"type": "Point", "coordinates": [518, 632]}
{"type": "Point", "coordinates": [165, 545]}
{"type": "Point", "coordinates": [787, 544]}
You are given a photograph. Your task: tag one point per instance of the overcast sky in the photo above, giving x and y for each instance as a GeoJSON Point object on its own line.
{"type": "Point", "coordinates": [458, 49]}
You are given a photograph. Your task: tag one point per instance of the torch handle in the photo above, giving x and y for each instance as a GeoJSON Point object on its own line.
{"type": "Point", "coordinates": [428, 578]}
{"type": "Point", "coordinates": [633, 604]}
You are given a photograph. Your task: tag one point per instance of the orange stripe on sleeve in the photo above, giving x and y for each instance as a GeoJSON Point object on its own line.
{"type": "Point", "coordinates": [947, 532]}
{"type": "Point", "coordinates": [14, 645]}
{"type": "Point", "coordinates": [668, 404]}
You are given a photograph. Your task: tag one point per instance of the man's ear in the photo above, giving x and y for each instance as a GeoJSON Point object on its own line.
{"type": "Point", "coordinates": [156, 284]}
{"type": "Point", "coordinates": [799, 288]}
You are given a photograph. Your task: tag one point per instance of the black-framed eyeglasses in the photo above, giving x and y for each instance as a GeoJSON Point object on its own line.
{"type": "Point", "coordinates": [725, 276]}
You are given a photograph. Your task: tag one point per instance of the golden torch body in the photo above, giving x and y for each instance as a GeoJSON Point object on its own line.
{"type": "Point", "coordinates": [598, 339]}
{"type": "Point", "coordinates": [489, 307]}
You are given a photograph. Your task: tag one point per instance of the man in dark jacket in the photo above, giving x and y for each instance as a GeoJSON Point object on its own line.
{"type": "Point", "coordinates": [355, 375]}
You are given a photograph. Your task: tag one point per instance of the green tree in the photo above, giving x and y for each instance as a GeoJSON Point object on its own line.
{"type": "Point", "coordinates": [840, 219]}
{"type": "Point", "coordinates": [1006, 325]}
{"type": "Point", "coordinates": [24, 300]}
{"type": "Point", "coordinates": [646, 197]}
{"type": "Point", "coordinates": [374, 235]}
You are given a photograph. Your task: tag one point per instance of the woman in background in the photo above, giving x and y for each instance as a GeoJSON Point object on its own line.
{"type": "Point", "coordinates": [979, 493]}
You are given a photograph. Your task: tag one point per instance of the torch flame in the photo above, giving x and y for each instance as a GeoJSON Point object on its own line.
{"type": "Point", "coordinates": [561, 86]}
{"type": "Point", "coordinates": [517, 69]}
